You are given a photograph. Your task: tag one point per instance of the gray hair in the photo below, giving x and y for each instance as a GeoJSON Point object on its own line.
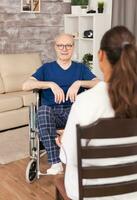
{"type": "Point", "coordinates": [64, 34]}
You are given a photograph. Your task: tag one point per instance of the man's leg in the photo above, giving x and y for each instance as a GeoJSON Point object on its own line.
{"type": "Point", "coordinates": [61, 115]}
{"type": "Point", "coordinates": [48, 120]}
{"type": "Point", "coordinates": [47, 129]}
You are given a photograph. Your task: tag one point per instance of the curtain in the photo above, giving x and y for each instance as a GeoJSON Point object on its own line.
{"type": "Point", "coordinates": [124, 12]}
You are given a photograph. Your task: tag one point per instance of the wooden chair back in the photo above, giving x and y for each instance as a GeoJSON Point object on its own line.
{"type": "Point", "coordinates": [109, 128]}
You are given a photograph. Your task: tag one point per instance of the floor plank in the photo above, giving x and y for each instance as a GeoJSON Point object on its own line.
{"type": "Point", "coordinates": [13, 185]}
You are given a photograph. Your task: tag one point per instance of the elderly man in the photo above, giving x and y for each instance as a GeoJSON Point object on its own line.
{"type": "Point", "coordinates": [60, 81]}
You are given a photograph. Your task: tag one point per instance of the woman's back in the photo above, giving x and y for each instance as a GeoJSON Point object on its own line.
{"type": "Point", "coordinates": [115, 97]}
{"type": "Point", "coordinates": [97, 100]}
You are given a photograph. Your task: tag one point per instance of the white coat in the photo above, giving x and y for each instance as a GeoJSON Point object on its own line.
{"type": "Point", "coordinates": [88, 107]}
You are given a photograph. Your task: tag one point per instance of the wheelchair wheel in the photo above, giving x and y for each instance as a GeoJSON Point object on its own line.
{"type": "Point", "coordinates": [31, 171]}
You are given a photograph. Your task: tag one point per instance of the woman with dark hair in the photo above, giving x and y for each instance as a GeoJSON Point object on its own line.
{"type": "Point", "coordinates": [116, 96]}
{"type": "Point", "coordinates": [118, 45]}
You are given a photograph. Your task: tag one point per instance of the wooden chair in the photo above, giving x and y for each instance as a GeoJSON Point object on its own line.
{"type": "Point", "coordinates": [108, 128]}
{"type": "Point", "coordinates": [103, 129]}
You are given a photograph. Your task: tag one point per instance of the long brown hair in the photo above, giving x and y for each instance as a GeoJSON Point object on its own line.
{"type": "Point", "coordinates": [119, 45]}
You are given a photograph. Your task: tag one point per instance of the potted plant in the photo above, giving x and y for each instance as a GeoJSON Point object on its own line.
{"type": "Point", "coordinates": [100, 6]}
{"type": "Point", "coordinates": [79, 2]}
{"type": "Point", "coordinates": [76, 6]}
{"type": "Point", "coordinates": [84, 6]}
{"type": "Point", "coordinates": [84, 3]}
{"type": "Point", "coordinates": [88, 60]}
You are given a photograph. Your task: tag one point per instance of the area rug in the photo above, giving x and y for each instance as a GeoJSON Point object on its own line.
{"type": "Point", "coordinates": [14, 145]}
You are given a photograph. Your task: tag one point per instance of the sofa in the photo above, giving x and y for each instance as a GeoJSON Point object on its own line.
{"type": "Point", "coordinates": [14, 103]}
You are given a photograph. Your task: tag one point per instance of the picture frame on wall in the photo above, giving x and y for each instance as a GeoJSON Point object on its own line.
{"type": "Point", "coordinates": [32, 6]}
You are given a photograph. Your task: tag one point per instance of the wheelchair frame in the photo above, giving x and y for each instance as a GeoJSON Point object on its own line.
{"type": "Point", "coordinates": [33, 168]}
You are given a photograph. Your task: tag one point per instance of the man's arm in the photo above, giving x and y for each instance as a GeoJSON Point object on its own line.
{"type": "Point", "coordinates": [33, 83]}
{"type": "Point", "coordinates": [89, 83]}
{"type": "Point", "coordinates": [74, 88]}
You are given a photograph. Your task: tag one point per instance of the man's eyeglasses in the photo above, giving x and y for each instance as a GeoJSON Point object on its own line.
{"type": "Point", "coordinates": [66, 46]}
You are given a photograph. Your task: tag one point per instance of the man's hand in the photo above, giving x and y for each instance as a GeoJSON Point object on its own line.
{"type": "Point", "coordinates": [73, 90]}
{"type": "Point", "coordinates": [58, 137]}
{"type": "Point", "coordinates": [58, 93]}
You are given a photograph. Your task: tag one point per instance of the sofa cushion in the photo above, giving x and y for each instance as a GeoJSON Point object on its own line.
{"type": "Point", "coordinates": [16, 68]}
{"type": "Point", "coordinates": [9, 102]}
{"type": "Point", "coordinates": [1, 85]}
{"type": "Point", "coordinates": [27, 97]}
{"type": "Point", "coordinates": [14, 118]}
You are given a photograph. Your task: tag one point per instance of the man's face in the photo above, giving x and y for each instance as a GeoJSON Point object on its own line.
{"type": "Point", "coordinates": [64, 47]}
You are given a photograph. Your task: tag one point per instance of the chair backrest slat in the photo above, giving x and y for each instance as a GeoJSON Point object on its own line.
{"type": "Point", "coordinates": [109, 171]}
{"type": "Point", "coordinates": [107, 129]}
{"type": "Point", "coordinates": [101, 128]}
{"type": "Point", "coordinates": [110, 189]}
{"type": "Point", "coordinates": [109, 151]}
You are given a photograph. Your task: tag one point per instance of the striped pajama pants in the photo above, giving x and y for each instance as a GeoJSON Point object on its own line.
{"type": "Point", "coordinates": [50, 119]}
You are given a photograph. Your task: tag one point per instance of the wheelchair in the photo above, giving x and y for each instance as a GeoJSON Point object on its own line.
{"type": "Point", "coordinates": [36, 149]}
{"type": "Point", "coordinates": [33, 167]}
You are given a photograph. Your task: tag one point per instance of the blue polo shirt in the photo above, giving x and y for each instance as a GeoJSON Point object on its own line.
{"type": "Point", "coordinates": [64, 78]}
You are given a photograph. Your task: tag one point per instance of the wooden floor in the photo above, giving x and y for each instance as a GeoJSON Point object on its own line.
{"type": "Point", "coordinates": [13, 185]}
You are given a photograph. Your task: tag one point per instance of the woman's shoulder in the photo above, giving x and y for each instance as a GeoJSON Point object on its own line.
{"type": "Point", "coordinates": [95, 97]}
{"type": "Point", "coordinates": [98, 90]}
{"type": "Point", "coordinates": [93, 104]}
